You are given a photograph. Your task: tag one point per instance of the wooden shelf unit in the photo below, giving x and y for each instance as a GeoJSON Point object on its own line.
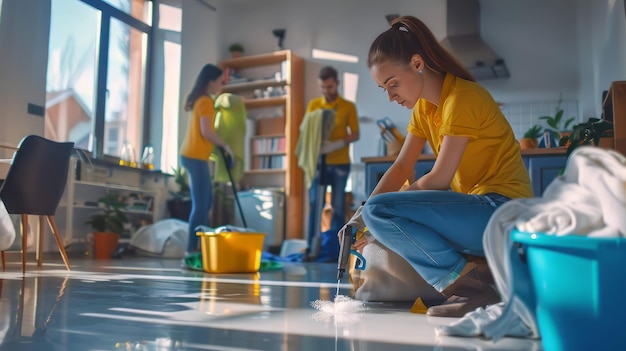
{"type": "Point", "coordinates": [614, 109]}
{"type": "Point", "coordinates": [287, 126]}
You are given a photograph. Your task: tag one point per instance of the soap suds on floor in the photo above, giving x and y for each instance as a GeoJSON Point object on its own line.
{"type": "Point", "coordinates": [343, 311]}
{"type": "Point", "coordinates": [342, 304]}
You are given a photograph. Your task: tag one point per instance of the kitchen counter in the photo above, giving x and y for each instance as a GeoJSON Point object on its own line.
{"type": "Point", "coordinates": [543, 166]}
{"type": "Point", "coordinates": [555, 151]}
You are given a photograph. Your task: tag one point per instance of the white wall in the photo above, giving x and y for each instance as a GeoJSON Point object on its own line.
{"type": "Point", "coordinates": [550, 46]}
{"type": "Point", "coordinates": [553, 47]}
{"type": "Point", "coordinates": [199, 40]}
{"type": "Point", "coordinates": [538, 42]}
{"type": "Point", "coordinates": [602, 50]}
{"type": "Point", "coordinates": [346, 26]}
{"type": "Point", "coordinates": [24, 28]}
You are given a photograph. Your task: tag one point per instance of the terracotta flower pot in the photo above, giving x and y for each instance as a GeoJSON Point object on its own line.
{"type": "Point", "coordinates": [105, 244]}
{"type": "Point", "coordinates": [528, 143]}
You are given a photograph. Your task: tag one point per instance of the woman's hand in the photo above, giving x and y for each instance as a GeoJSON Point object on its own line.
{"type": "Point", "coordinates": [230, 156]}
{"type": "Point", "coordinates": [355, 222]}
{"type": "Point", "coordinates": [360, 243]}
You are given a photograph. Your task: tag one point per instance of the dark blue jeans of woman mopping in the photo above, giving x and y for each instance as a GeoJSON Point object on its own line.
{"type": "Point", "coordinates": [201, 189]}
{"type": "Point", "coordinates": [432, 229]}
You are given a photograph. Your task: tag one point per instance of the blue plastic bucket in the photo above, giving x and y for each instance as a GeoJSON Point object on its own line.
{"type": "Point", "coordinates": [580, 290]}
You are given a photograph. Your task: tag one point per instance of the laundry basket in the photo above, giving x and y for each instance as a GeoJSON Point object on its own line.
{"type": "Point", "coordinates": [579, 284]}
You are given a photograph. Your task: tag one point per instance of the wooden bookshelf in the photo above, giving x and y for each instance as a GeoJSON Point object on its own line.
{"type": "Point", "coordinates": [281, 71]}
{"type": "Point", "coordinates": [614, 110]}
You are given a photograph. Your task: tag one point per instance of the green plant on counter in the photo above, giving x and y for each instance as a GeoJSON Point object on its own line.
{"type": "Point", "coordinates": [112, 218]}
{"type": "Point", "coordinates": [589, 133]}
{"type": "Point", "coordinates": [556, 122]}
{"type": "Point", "coordinates": [533, 132]}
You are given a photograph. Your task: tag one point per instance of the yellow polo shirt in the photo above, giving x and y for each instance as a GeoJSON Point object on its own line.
{"type": "Point", "coordinates": [195, 145]}
{"type": "Point", "coordinates": [492, 161]}
{"type": "Point", "coordinates": [345, 116]}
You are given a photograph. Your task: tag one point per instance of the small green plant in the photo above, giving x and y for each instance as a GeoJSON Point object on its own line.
{"type": "Point", "coordinates": [556, 122]}
{"type": "Point", "coordinates": [589, 133]}
{"type": "Point", "coordinates": [235, 47]}
{"type": "Point", "coordinates": [111, 218]}
{"type": "Point", "coordinates": [180, 178]}
{"type": "Point", "coordinates": [533, 132]}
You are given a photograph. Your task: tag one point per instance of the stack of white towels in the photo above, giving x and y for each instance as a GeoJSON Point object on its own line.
{"type": "Point", "coordinates": [588, 199]}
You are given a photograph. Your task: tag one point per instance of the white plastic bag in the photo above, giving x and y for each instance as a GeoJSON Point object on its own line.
{"type": "Point", "coordinates": [388, 277]}
{"type": "Point", "coordinates": [166, 238]}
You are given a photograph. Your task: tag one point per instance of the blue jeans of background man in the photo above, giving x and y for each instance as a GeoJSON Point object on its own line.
{"type": "Point", "coordinates": [337, 178]}
{"type": "Point", "coordinates": [430, 229]}
{"type": "Point", "coordinates": [201, 189]}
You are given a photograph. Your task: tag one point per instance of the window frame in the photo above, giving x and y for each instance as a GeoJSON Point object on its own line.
{"type": "Point", "coordinates": [108, 12]}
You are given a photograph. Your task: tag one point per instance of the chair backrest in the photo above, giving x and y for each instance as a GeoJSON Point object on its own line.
{"type": "Point", "coordinates": [37, 177]}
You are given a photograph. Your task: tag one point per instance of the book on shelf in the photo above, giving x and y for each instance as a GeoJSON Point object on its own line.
{"type": "Point", "coordinates": [269, 162]}
{"type": "Point", "coordinates": [268, 145]}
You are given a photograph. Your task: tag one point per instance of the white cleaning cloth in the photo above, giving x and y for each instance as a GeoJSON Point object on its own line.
{"type": "Point", "coordinates": [589, 199]}
{"type": "Point", "coordinates": [7, 230]}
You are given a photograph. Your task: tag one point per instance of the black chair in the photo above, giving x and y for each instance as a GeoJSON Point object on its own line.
{"type": "Point", "coordinates": [34, 185]}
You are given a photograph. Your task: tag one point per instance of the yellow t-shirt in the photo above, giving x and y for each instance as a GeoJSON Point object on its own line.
{"type": "Point", "coordinates": [195, 145]}
{"type": "Point", "coordinates": [492, 161]}
{"type": "Point", "coordinates": [345, 116]}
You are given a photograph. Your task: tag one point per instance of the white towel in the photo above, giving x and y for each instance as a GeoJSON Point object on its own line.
{"type": "Point", "coordinates": [7, 230]}
{"type": "Point", "coordinates": [589, 199]}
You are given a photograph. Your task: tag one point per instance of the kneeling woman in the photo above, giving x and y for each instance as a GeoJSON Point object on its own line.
{"type": "Point", "coordinates": [437, 224]}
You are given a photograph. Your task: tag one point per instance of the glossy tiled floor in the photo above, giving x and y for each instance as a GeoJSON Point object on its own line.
{"type": "Point", "coordinates": [152, 304]}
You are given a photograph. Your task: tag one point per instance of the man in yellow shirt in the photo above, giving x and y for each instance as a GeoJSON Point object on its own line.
{"type": "Point", "coordinates": [336, 149]}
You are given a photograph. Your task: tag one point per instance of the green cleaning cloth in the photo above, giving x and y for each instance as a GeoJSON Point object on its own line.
{"type": "Point", "coordinates": [194, 261]}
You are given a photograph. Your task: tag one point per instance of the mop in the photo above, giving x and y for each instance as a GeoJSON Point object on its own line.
{"type": "Point", "coordinates": [194, 260]}
{"type": "Point", "coordinates": [229, 164]}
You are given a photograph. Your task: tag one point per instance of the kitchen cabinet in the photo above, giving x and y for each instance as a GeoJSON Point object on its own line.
{"type": "Point", "coordinates": [543, 166]}
{"type": "Point", "coordinates": [374, 170]}
{"type": "Point", "coordinates": [272, 86]}
{"type": "Point", "coordinates": [543, 170]}
{"type": "Point", "coordinates": [614, 110]}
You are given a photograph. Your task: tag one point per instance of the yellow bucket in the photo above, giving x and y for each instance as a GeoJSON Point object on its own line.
{"type": "Point", "coordinates": [231, 252]}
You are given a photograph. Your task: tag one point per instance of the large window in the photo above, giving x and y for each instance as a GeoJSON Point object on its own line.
{"type": "Point", "coordinates": [124, 89]}
{"type": "Point", "coordinates": [71, 77]}
{"type": "Point", "coordinates": [168, 51]}
{"type": "Point", "coordinates": [98, 59]}
{"type": "Point", "coordinates": [140, 9]}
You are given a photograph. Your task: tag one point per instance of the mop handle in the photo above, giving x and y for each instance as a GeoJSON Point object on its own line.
{"type": "Point", "coordinates": [232, 183]}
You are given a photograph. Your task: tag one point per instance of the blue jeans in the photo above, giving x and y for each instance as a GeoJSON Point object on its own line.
{"type": "Point", "coordinates": [430, 229]}
{"type": "Point", "coordinates": [201, 189]}
{"type": "Point", "coordinates": [337, 178]}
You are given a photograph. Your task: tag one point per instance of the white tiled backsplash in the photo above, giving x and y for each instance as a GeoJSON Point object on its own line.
{"type": "Point", "coordinates": [523, 115]}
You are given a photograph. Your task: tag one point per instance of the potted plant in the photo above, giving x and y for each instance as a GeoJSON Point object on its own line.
{"type": "Point", "coordinates": [529, 140]}
{"type": "Point", "coordinates": [236, 50]}
{"type": "Point", "coordinates": [108, 224]}
{"type": "Point", "coordinates": [179, 205]}
{"type": "Point", "coordinates": [594, 131]}
{"type": "Point", "coordinates": [558, 126]}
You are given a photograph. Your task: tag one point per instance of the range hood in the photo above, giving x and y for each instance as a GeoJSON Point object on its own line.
{"type": "Point", "coordinates": [466, 44]}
